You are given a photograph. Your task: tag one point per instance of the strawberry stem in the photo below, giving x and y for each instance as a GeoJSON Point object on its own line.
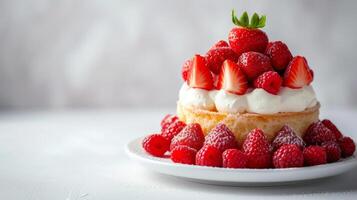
{"type": "Point", "coordinates": [255, 22]}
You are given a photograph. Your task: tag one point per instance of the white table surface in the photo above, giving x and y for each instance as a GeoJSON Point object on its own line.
{"type": "Point", "coordinates": [79, 155]}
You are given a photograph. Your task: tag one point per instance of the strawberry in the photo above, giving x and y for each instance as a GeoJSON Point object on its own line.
{"type": "Point", "coordinates": [270, 81]}
{"type": "Point", "coordinates": [185, 69]}
{"type": "Point", "coordinates": [286, 135]}
{"type": "Point", "coordinates": [234, 158]}
{"type": "Point", "coordinates": [348, 146]}
{"type": "Point", "coordinates": [333, 151]}
{"type": "Point", "coordinates": [248, 37]}
{"type": "Point", "coordinates": [221, 137]}
{"type": "Point", "coordinates": [174, 129]}
{"type": "Point", "coordinates": [288, 155]}
{"type": "Point", "coordinates": [317, 133]}
{"type": "Point", "coordinates": [209, 156]}
{"type": "Point", "coordinates": [256, 146]}
{"type": "Point", "coordinates": [167, 121]}
{"type": "Point", "coordinates": [254, 64]}
{"type": "Point", "coordinates": [216, 56]}
{"type": "Point", "coordinates": [183, 154]}
{"type": "Point", "coordinates": [279, 54]}
{"type": "Point", "coordinates": [314, 155]}
{"type": "Point", "coordinates": [191, 135]}
{"type": "Point", "coordinates": [219, 44]}
{"type": "Point", "coordinates": [333, 128]}
{"type": "Point", "coordinates": [199, 75]}
{"type": "Point", "coordinates": [232, 79]}
{"type": "Point", "coordinates": [298, 73]}
{"type": "Point", "coordinates": [156, 145]}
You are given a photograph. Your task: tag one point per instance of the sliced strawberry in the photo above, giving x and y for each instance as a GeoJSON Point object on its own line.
{"type": "Point", "coordinates": [232, 78]}
{"type": "Point", "coordinates": [199, 75]}
{"type": "Point", "coordinates": [297, 73]}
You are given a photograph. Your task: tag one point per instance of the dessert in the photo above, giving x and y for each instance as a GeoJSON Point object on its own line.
{"type": "Point", "coordinates": [248, 103]}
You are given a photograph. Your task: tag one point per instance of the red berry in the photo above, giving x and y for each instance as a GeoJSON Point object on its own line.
{"type": "Point", "coordinates": [185, 69]}
{"type": "Point", "coordinates": [270, 81]}
{"type": "Point", "coordinates": [216, 56]}
{"type": "Point", "coordinates": [333, 151]}
{"type": "Point", "coordinates": [333, 128]}
{"type": "Point", "coordinates": [183, 154]}
{"type": "Point", "coordinates": [279, 54]}
{"type": "Point", "coordinates": [288, 155]}
{"type": "Point", "coordinates": [221, 137]}
{"type": "Point", "coordinates": [209, 156]}
{"type": "Point", "coordinates": [298, 73]}
{"type": "Point", "coordinates": [219, 44]}
{"type": "Point", "coordinates": [243, 40]}
{"type": "Point", "coordinates": [173, 130]}
{"type": "Point", "coordinates": [191, 135]}
{"type": "Point", "coordinates": [156, 145]}
{"type": "Point", "coordinates": [167, 121]}
{"type": "Point", "coordinates": [234, 158]}
{"type": "Point", "coordinates": [317, 133]}
{"type": "Point", "coordinates": [199, 75]}
{"type": "Point", "coordinates": [253, 64]}
{"type": "Point", "coordinates": [314, 155]}
{"type": "Point", "coordinates": [232, 78]}
{"type": "Point", "coordinates": [286, 135]}
{"type": "Point", "coordinates": [256, 146]}
{"type": "Point", "coordinates": [347, 145]}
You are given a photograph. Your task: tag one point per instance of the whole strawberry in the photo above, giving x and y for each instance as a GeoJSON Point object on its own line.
{"type": "Point", "coordinates": [234, 158]}
{"type": "Point", "coordinates": [217, 55]}
{"type": "Point", "coordinates": [317, 133]}
{"type": "Point", "coordinates": [333, 128]}
{"type": "Point", "coordinates": [219, 44]}
{"type": "Point", "coordinates": [191, 135]}
{"type": "Point", "coordinates": [333, 151]}
{"type": "Point", "coordinates": [209, 156]}
{"type": "Point", "coordinates": [286, 135]}
{"type": "Point", "coordinates": [156, 145]}
{"type": "Point", "coordinates": [248, 36]}
{"type": "Point", "coordinates": [254, 64]}
{"type": "Point", "coordinates": [257, 148]}
{"type": "Point", "coordinates": [269, 81]}
{"type": "Point", "coordinates": [221, 137]}
{"type": "Point", "coordinates": [314, 155]}
{"type": "Point", "coordinates": [186, 68]}
{"type": "Point", "coordinates": [173, 130]}
{"type": "Point", "coordinates": [183, 154]}
{"type": "Point", "coordinates": [288, 155]}
{"type": "Point", "coordinates": [348, 146]}
{"type": "Point", "coordinates": [279, 54]}
{"type": "Point", "coordinates": [167, 121]}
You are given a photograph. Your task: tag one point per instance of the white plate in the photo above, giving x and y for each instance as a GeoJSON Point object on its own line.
{"type": "Point", "coordinates": [224, 176]}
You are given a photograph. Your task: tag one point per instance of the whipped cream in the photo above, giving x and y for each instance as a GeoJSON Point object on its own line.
{"type": "Point", "coordinates": [254, 101]}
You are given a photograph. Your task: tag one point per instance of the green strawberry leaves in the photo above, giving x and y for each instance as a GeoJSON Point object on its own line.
{"type": "Point", "coordinates": [255, 22]}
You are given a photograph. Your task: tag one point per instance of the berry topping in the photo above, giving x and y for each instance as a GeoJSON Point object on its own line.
{"type": "Point", "coordinates": [191, 136]}
{"type": "Point", "coordinates": [298, 73]}
{"type": "Point", "coordinates": [234, 158]}
{"type": "Point", "coordinates": [279, 54]}
{"type": "Point", "coordinates": [347, 145]}
{"type": "Point", "coordinates": [185, 69]}
{"type": "Point", "coordinates": [333, 128]}
{"type": "Point", "coordinates": [253, 64]}
{"type": "Point", "coordinates": [314, 155]}
{"type": "Point", "coordinates": [333, 151]}
{"type": "Point", "coordinates": [288, 155]}
{"type": "Point", "coordinates": [248, 37]}
{"type": "Point", "coordinates": [173, 130]}
{"type": "Point", "coordinates": [256, 146]}
{"type": "Point", "coordinates": [209, 156]}
{"type": "Point", "coordinates": [221, 137]}
{"type": "Point", "coordinates": [156, 145]}
{"type": "Point", "coordinates": [287, 136]}
{"type": "Point", "coordinates": [167, 121]}
{"type": "Point", "coordinates": [183, 154]}
{"type": "Point", "coordinates": [219, 44]}
{"type": "Point", "coordinates": [199, 75]}
{"type": "Point", "coordinates": [270, 81]}
{"type": "Point", "coordinates": [232, 79]}
{"type": "Point", "coordinates": [317, 133]}
{"type": "Point", "coordinates": [216, 56]}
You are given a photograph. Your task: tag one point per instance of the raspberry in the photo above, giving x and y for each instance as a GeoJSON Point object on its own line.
{"type": "Point", "coordinates": [279, 54]}
{"type": "Point", "coordinates": [167, 120]}
{"type": "Point", "coordinates": [314, 155]}
{"type": "Point", "coordinates": [173, 130]}
{"type": "Point", "coordinates": [270, 81]}
{"type": "Point", "coordinates": [185, 69]}
{"type": "Point", "coordinates": [347, 145]}
{"type": "Point", "coordinates": [191, 136]}
{"type": "Point", "coordinates": [209, 156]}
{"type": "Point", "coordinates": [333, 151]}
{"type": "Point", "coordinates": [183, 154]}
{"type": "Point", "coordinates": [286, 135]}
{"type": "Point", "coordinates": [288, 155]}
{"type": "Point", "coordinates": [256, 146]}
{"type": "Point", "coordinates": [234, 158]}
{"type": "Point", "coordinates": [221, 137]}
{"type": "Point", "coordinates": [318, 133]}
{"type": "Point", "coordinates": [156, 145]}
{"type": "Point", "coordinates": [333, 128]}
